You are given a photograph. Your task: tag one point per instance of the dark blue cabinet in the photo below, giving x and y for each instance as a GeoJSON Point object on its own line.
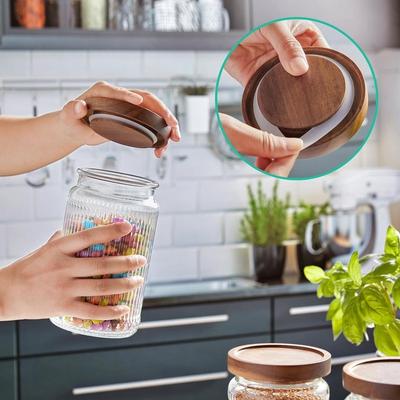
{"type": "Point", "coordinates": [8, 380]}
{"type": "Point", "coordinates": [7, 340]}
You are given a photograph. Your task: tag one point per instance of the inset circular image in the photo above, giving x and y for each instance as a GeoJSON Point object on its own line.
{"type": "Point", "coordinates": [309, 98]}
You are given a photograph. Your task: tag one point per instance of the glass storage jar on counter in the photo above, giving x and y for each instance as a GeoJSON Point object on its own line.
{"type": "Point", "coordinates": [102, 197]}
{"type": "Point", "coordinates": [275, 371]}
{"type": "Point", "coordinates": [373, 379]}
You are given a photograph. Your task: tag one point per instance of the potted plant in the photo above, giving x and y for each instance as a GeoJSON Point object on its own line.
{"type": "Point", "coordinates": [197, 107]}
{"type": "Point", "coordinates": [365, 300]}
{"type": "Point", "coordinates": [264, 225]}
{"type": "Point", "coordinates": [303, 214]}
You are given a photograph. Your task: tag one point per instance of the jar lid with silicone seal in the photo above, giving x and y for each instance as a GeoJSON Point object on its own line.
{"type": "Point", "coordinates": [125, 123]}
{"type": "Point", "coordinates": [325, 107]}
{"type": "Point", "coordinates": [278, 371]}
{"type": "Point", "coordinates": [373, 378]}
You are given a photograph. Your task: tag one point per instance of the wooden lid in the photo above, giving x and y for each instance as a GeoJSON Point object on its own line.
{"type": "Point", "coordinates": [279, 363]}
{"type": "Point", "coordinates": [298, 104]}
{"type": "Point", "coordinates": [374, 378]}
{"type": "Point", "coordinates": [126, 123]}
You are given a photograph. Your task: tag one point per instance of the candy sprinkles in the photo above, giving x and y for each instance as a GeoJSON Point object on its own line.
{"type": "Point", "coordinates": [133, 243]}
{"type": "Point", "coordinates": [102, 198]}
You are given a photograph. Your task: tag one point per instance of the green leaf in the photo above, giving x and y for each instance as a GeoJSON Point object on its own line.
{"type": "Point", "coordinates": [354, 269]}
{"type": "Point", "coordinates": [337, 324]}
{"type": "Point", "coordinates": [392, 243]}
{"type": "Point", "coordinates": [396, 292]}
{"type": "Point", "coordinates": [353, 324]}
{"type": "Point", "coordinates": [387, 338]}
{"type": "Point", "coordinates": [387, 268]}
{"type": "Point", "coordinates": [314, 274]}
{"type": "Point", "coordinates": [326, 289]}
{"type": "Point", "coordinates": [333, 309]}
{"type": "Point", "coordinates": [376, 306]}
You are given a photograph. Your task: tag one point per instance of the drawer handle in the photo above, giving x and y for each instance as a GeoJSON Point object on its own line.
{"type": "Point", "coordinates": [309, 309]}
{"type": "Point", "coordinates": [180, 380]}
{"type": "Point", "coordinates": [347, 359]}
{"type": "Point", "coordinates": [168, 323]}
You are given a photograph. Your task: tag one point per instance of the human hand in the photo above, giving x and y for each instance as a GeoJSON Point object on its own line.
{"type": "Point", "coordinates": [275, 154]}
{"type": "Point", "coordinates": [51, 281]}
{"type": "Point", "coordinates": [72, 113]}
{"type": "Point", "coordinates": [285, 39]}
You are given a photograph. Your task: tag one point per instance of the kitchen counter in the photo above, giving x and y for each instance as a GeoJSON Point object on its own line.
{"type": "Point", "coordinates": [192, 292]}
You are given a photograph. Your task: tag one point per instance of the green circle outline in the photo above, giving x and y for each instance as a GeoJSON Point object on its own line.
{"type": "Point", "coordinates": [234, 47]}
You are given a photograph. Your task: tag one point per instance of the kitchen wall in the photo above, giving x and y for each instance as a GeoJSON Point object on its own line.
{"type": "Point", "coordinates": [202, 195]}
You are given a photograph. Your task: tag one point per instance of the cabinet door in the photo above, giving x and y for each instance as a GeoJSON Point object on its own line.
{"type": "Point", "coordinates": [191, 370]}
{"type": "Point", "coordinates": [7, 339]}
{"type": "Point", "coordinates": [296, 312]}
{"type": "Point", "coordinates": [8, 380]}
{"type": "Point", "coordinates": [341, 350]}
{"type": "Point", "coordinates": [160, 325]}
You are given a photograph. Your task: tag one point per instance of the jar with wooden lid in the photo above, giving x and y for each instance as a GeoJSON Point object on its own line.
{"type": "Point", "coordinates": [373, 379]}
{"type": "Point", "coordinates": [275, 371]}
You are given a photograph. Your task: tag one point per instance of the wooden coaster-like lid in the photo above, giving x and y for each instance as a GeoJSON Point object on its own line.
{"type": "Point", "coordinates": [126, 123]}
{"type": "Point", "coordinates": [279, 363]}
{"type": "Point", "coordinates": [373, 378]}
{"type": "Point", "coordinates": [297, 104]}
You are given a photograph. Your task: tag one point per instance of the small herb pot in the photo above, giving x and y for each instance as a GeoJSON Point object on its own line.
{"type": "Point", "coordinates": [269, 262]}
{"type": "Point", "coordinates": [305, 258]}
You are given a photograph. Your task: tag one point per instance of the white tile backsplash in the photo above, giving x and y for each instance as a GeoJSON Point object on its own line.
{"type": "Point", "coordinates": [17, 103]}
{"type": "Point", "coordinates": [114, 64]}
{"type": "Point", "coordinates": [60, 64]}
{"type": "Point", "coordinates": [15, 64]}
{"type": "Point", "coordinates": [163, 236]}
{"type": "Point", "coordinates": [232, 227]}
{"type": "Point", "coordinates": [180, 197]}
{"type": "Point", "coordinates": [225, 261]}
{"type": "Point", "coordinates": [175, 264]}
{"type": "Point", "coordinates": [168, 64]}
{"type": "Point", "coordinates": [24, 237]}
{"type": "Point", "coordinates": [198, 229]}
{"type": "Point", "coordinates": [50, 202]}
{"type": "Point", "coordinates": [3, 244]}
{"type": "Point", "coordinates": [16, 204]}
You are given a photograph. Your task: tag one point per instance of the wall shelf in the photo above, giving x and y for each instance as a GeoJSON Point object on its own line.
{"type": "Point", "coordinates": [63, 37]}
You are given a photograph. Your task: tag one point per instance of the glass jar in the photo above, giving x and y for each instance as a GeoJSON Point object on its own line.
{"type": "Point", "coordinates": [122, 14]}
{"type": "Point", "coordinates": [275, 371]}
{"type": "Point", "coordinates": [102, 197]}
{"type": "Point", "coordinates": [373, 378]}
{"type": "Point", "coordinates": [93, 14]}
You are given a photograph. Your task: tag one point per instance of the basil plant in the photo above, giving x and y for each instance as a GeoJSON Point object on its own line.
{"type": "Point", "coordinates": [364, 300]}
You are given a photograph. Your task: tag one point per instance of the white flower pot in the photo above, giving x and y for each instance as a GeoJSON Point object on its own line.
{"type": "Point", "coordinates": [197, 114]}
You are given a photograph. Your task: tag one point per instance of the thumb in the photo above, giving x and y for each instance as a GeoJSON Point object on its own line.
{"type": "Point", "coordinates": [254, 142]}
{"type": "Point", "coordinates": [288, 48]}
{"type": "Point", "coordinates": [75, 109]}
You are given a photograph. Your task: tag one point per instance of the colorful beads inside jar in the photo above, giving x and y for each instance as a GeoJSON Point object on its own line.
{"type": "Point", "coordinates": [135, 242]}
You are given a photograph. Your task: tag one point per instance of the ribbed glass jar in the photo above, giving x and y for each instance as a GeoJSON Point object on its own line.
{"type": "Point", "coordinates": [243, 389]}
{"type": "Point", "coordinates": [100, 198]}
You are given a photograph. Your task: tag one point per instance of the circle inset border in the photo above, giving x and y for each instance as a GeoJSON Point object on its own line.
{"type": "Point", "coordinates": [354, 42]}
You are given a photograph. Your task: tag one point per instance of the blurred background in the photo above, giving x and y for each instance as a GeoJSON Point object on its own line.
{"type": "Point", "coordinates": [52, 50]}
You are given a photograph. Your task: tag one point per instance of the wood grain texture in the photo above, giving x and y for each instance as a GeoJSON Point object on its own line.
{"type": "Point", "coordinates": [124, 134]}
{"type": "Point", "coordinates": [298, 103]}
{"type": "Point", "coordinates": [345, 130]}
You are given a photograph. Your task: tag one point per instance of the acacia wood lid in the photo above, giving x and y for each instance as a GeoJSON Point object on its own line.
{"type": "Point", "coordinates": [279, 362]}
{"type": "Point", "coordinates": [296, 104]}
{"type": "Point", "coordinates": [374, 378]}
{"type": "Point", "coordinates": [126, 123]}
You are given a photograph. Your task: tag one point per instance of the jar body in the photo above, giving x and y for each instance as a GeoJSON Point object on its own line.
{"type": "Point", "coordinates": [95, 204]}
{"type": "Point", "coordinates": [242, 389]}
{"type": "Point", "coordinates": [93, 14]}
{"type": "Point", "coordinates": [355, 397]}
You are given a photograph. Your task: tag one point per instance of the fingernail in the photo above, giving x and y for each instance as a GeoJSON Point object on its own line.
{"type": "Point", "coordinates": [136, 280]}
{"type": "Point", "coordinates": [298, 66]}
{"type": "Point", "coordinates": [294, 144]}
{"type": "Point", "coordinates": [79, 106]}
{"type": "Point", "coordinates": [122, 309]}
{"type": "Point", "coordinates": [123, 226]}
{"type": "Point", "coordinates": [139, 260]}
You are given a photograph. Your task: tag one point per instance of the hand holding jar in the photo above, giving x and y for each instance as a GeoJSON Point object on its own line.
{"type": "Point", "coordinates": [51, 281]}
